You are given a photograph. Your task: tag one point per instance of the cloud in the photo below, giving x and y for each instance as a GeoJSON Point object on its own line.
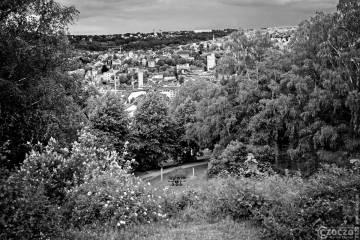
{"type": "Point", "coordinates": [116, 16]}
{"type": "Point", "coordinates": [313, 4]}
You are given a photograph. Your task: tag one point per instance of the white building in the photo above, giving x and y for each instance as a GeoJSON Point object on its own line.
{"type": "Point", "coordinates": [170, 93]}
{"type": "Point", "coordinates": [203, 31]}
{"type": "Point", "coordinates": [211, 62]}
{"type": "Point", "coordinates": [140, 79]}
{"type": "Point", "coordinates": [151, 64]}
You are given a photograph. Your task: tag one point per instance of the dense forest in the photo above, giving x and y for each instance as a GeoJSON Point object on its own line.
{"type": "Point", "coordinates": [68, 152]}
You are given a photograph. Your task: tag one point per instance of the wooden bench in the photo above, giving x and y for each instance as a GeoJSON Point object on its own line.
{"type": "Point", "coordinates": [176, 181]}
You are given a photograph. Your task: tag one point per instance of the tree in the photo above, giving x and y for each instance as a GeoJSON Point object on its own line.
{"type": "Point", "coordinates": [109, 120]}
{"type": "Point", "coordinates": [38, 100]}
{"type": "Point", "coordinates": [184, 115]}
{"type": "Point", "coordinates": [154, 137]}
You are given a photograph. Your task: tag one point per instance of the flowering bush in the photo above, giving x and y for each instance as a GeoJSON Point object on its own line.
{"type": "Point", "coordinates": [113, 197]}
{"type": "Point", "coordinates": [60, 169]}
{"type": "Point", "coordinates": [32, 198]}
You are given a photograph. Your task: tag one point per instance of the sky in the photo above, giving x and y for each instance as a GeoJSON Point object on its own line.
{"type": "Point", "coordinates": [122, 16]}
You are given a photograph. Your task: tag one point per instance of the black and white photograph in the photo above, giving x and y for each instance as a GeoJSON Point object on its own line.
{"type": "Point", "coordinates": [179, 119]}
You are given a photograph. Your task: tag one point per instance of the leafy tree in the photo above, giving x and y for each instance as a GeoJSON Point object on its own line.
{"type": "Point", "coordinates": [154, 134]}
{"type": "Point", "coordinates": [109, 120]}
{"type": "Point", "coordinates": [37, 100]}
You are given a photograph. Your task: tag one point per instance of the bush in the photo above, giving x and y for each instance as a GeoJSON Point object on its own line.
{"type": "Point", "coordinates": [287, 206]}
{"type": "Point", "coordinates": [32, 198]}
{"type": "Point", "coordinates": [327, 199]}
{"type": "Point", "coordinates": [115, 198]}
{"type": "Point", "coordinates": [26, 212]}
{"type": "Point", "coordinates": [230, 159]}
{"type": "Point", "coordinates": [236, 160]}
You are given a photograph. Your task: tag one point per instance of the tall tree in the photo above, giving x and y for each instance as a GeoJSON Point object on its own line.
{"type": "Point", "coordinates": [154, 134]}
{"type": "Point", "coordinates": [37, 100]}
{"type": "Point", "coordinates": [109, 120]}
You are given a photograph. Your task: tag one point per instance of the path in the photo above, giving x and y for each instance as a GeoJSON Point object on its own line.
{"type": "Point", "coordinates": [156, 173]}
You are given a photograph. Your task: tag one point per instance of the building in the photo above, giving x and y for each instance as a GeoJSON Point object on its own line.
{"type": "Point", "coordinates": [107, 76]}
{"type": "Point", "coordinates": [158, 77]}
{"type": "Point", "coordinates": [169, 92]}
{"type": "Point", "coordinates": [140, 79]}
{"type": "Point", "coordinates": [211, 62]}
{"type": "Point", "coordinates": [203, 31]}
{"type": "Point", "coordinates": [182, 68]}
{"type": "Point", "coordinates": [151, 64]}
{"type": "Point", "coordinates": [170, 78]}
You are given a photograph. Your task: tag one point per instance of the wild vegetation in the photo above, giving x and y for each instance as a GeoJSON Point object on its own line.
{"type": "Point", "coordinates": [68, 152]}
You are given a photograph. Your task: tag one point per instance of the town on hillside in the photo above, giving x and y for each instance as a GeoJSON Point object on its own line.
{"type": "Point", "coordinates": [132, 73]}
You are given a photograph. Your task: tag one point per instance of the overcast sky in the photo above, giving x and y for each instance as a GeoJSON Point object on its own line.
{"type": "Point", "coordinates": [121, 16]}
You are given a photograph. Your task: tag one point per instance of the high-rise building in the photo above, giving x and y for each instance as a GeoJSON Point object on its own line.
{"type": "Point", "coordinates": [140, 79]}
{"type": "Point", "coordinates": [211, 62]}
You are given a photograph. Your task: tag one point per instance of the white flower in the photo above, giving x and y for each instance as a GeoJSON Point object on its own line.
{"type": "Point", "coordinates": [122, 222]}
{"type": "Point", "coordinates": [106, 205]}
{"type": "Point", "coordinates": [89, 193]}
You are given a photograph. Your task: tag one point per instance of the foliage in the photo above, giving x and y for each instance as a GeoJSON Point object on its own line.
{"type": "Point", "coordinates": [109, 120]}
{"type": "Point", "coordinates": [291, 105]}
{"type": "Point", "coordinates": [115, 198]}
{"type": "Point", "coordinates": [237, 160]}
{"type": "Point", "coordinates": [328, 199]}
{"type": "Point", "coordinates": [286, 206]}
{"type": "Point", "coordinates": [33, 197]}
{"type": "Point", "coordinates": [26, 213]}
{"type": "Point", "coordinates": [155, 134]}
{"type": "Point", "coordinates": [38, 100]}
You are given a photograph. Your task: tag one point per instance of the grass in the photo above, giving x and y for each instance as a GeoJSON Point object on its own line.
{"type": "Point", "coordinates": [225, 230]}
{"type": "Point", "coordinates": [178, 228]}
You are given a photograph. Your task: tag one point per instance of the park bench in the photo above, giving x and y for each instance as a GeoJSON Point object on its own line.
{"type": "Point", "coordinates": [176, 181]}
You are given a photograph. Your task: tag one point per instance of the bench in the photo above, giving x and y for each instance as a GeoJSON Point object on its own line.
{"type": "Point", "coordinates": [176, 181]}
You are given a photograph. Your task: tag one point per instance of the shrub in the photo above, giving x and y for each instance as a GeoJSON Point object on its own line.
{"type": "Point", "coordinates": [236, 160]}
{"type": "Point", "coordinates": [26, 212]}
{"type": "Point", "coordinates": [230, 159]}
{"type": "Point", "coordinates": [32, 198]}
{"type": "Point", "coordinates": [327, 199]}
{"type": "Point", "coordinates": [113, 197]}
